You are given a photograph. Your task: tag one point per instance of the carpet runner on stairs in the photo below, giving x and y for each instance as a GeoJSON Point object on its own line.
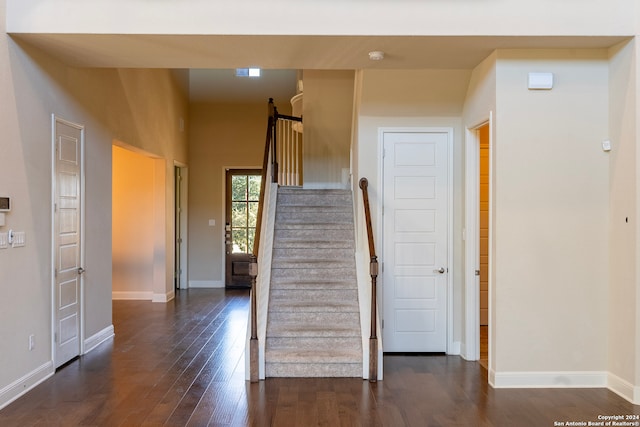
{"type": "Point", "coordinates": [313, 326]}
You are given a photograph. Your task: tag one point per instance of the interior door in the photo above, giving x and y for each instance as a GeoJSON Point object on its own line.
{"type": "Point", "coordinates": [68, 269]}
{"type": "Point", "coordinates": [415, 223]}
{"type": "Point", "coordinates": [242, 198]}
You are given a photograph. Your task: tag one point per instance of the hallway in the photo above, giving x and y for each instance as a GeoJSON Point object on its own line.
{"type": "Point", "coordinates": [182, 364]}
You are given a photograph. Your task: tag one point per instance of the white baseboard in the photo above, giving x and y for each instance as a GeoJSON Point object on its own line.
{"type": "Point", "coordinates": [568, 379]}
{"type": "Point", "coordinates": [464, 353]}
{"type": "Point", "coordinates": [624, 389]}
{"type": "Point", "coordinates": [96, 339]}
{"type": "Point", "coordinates": [116, 295]}
{"type": "Point", "coordinates": [163, 297]}
{"type": "Point", "coordinates": [206, 284]}
{"type": "Point", "coordinates": [454, 350]}
{"type": "Point", "coordinates": [22, 385]}
{"type": "Point", "coordinates": [595, 379]}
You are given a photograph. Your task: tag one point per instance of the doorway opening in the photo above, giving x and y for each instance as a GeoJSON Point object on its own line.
{"type": "Point", "coordinates": [139, 264]}
{"type": "Point", "coordinates": [478, 244]}
{"type": "Point", "coordinates": [242, 198]}
{"type": "Point", "coordinates": [483, 247]}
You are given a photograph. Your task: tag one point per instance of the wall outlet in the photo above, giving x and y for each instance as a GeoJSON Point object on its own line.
{"type": "Point", "coordinates": [32, 342]}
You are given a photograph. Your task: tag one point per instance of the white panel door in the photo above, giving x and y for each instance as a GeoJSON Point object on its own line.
{"type": "Point", "coordinates": [415, 253]}
{"type": "Point", "coordinates": [67, 223]}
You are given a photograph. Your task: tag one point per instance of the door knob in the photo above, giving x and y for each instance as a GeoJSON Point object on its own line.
{"type": "Point", "coordinates": [441, 270]}
{"type": "Point", "coordinates": [80, 270]}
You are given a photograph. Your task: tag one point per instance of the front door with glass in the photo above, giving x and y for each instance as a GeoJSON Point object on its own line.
{"type": "Point", "coordinates": [242, 198]}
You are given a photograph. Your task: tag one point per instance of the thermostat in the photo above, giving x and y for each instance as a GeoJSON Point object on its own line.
{"type": "Point", "coordinates": [5, 204]}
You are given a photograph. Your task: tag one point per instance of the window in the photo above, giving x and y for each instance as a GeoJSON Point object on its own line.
{"type": "Point", "coordinates": [245, 196]}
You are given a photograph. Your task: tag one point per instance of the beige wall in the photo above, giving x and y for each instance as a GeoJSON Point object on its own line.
{"type": "Point", "coordinates": [551, 213]}
{"type": "Point", "coordinates": [140, 107]}
{"type": "Point", "coordinates": [425, 98]}
{"type": "Point", "coordinates": [221, 136]}
{"type": "Point", "coordinates": [479, 104]}
{"type": "Point", "coordinates": [480, 99]}
{"type": "Point", "coordinates": [624, 307]}
{"type": "Point", "coordinates": [133, 232]}
{"type": "Point", "coordinates": [327, 109]}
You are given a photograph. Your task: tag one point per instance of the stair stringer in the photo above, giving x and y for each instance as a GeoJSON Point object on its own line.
{"type": "Point", "coordinates": [263, 280]}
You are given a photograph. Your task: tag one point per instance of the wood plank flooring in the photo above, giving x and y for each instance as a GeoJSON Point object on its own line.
{"type": "Point", "coordinates": [182, 364]}
{"type": "Point", "coordinates": [484, 346]}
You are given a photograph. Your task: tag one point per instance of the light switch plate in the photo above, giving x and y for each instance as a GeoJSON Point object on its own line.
{"type": "Point", "coordinates": [19, 239]}
{"type": "Point", "coordinates": [4, 240]}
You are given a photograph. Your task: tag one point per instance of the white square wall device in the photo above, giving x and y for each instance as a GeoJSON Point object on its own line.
{"type": "Point", "coordinates": [540, 81]}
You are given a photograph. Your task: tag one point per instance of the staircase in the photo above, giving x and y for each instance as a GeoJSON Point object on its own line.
{"type": "Point", "coordinates": [313, 326]}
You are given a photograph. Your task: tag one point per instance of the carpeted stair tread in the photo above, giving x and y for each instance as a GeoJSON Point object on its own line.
{"type": "Point", "coordinates": [313, 326]}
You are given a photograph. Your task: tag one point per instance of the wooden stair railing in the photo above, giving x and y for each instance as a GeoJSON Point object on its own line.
{"type": "Point", "coordinates": [270, 151]}
{"type": "Point", "coordinates": [373, 271]}
{"type": "Point", "coordinates": [287, 148]}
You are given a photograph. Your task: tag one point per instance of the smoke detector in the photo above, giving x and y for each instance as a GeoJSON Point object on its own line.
{"type": "Point", "coordinates": [376, 55]}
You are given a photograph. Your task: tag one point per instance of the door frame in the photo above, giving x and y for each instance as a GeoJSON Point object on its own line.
{"type": "Point", "coordinates": [451, 347]}
{"type": "Point", "coordinates": [81, 297]}
{"type": "Point", "coordinates": [184, 260]}
{"type": "Point", "coordinates": [471, 345]}
{"type": "Point", "coordinates": [223, 216]}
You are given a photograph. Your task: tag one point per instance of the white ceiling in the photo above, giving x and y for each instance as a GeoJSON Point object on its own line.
{"type": "Point", "coordinates": [278, 56]}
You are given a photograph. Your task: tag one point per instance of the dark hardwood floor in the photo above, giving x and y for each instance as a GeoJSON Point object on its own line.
{"type": "Point", "coordinates": [182, 364]}
{"type": "Point", "coordinates": [484, 346]}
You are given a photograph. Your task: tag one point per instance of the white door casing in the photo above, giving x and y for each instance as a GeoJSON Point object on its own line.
{"type": "Point", "coordinates": [68, 227]}
{"type": "Point", "coordinates": [471, 344]}
{"type": "Point", "coordinates": [180, 227]}
{"type": "Point", "coordinates": [416, 239]}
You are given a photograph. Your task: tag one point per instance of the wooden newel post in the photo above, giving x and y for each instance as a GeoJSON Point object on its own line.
{"type": "Point", "coordinates": [253, 342]}
{"type": "Point", "coordinates": [373, 271]}
{"type": "Point", "coordinates": [373, 338]}
{"type": "Point", "coordinates": [275, 177]}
